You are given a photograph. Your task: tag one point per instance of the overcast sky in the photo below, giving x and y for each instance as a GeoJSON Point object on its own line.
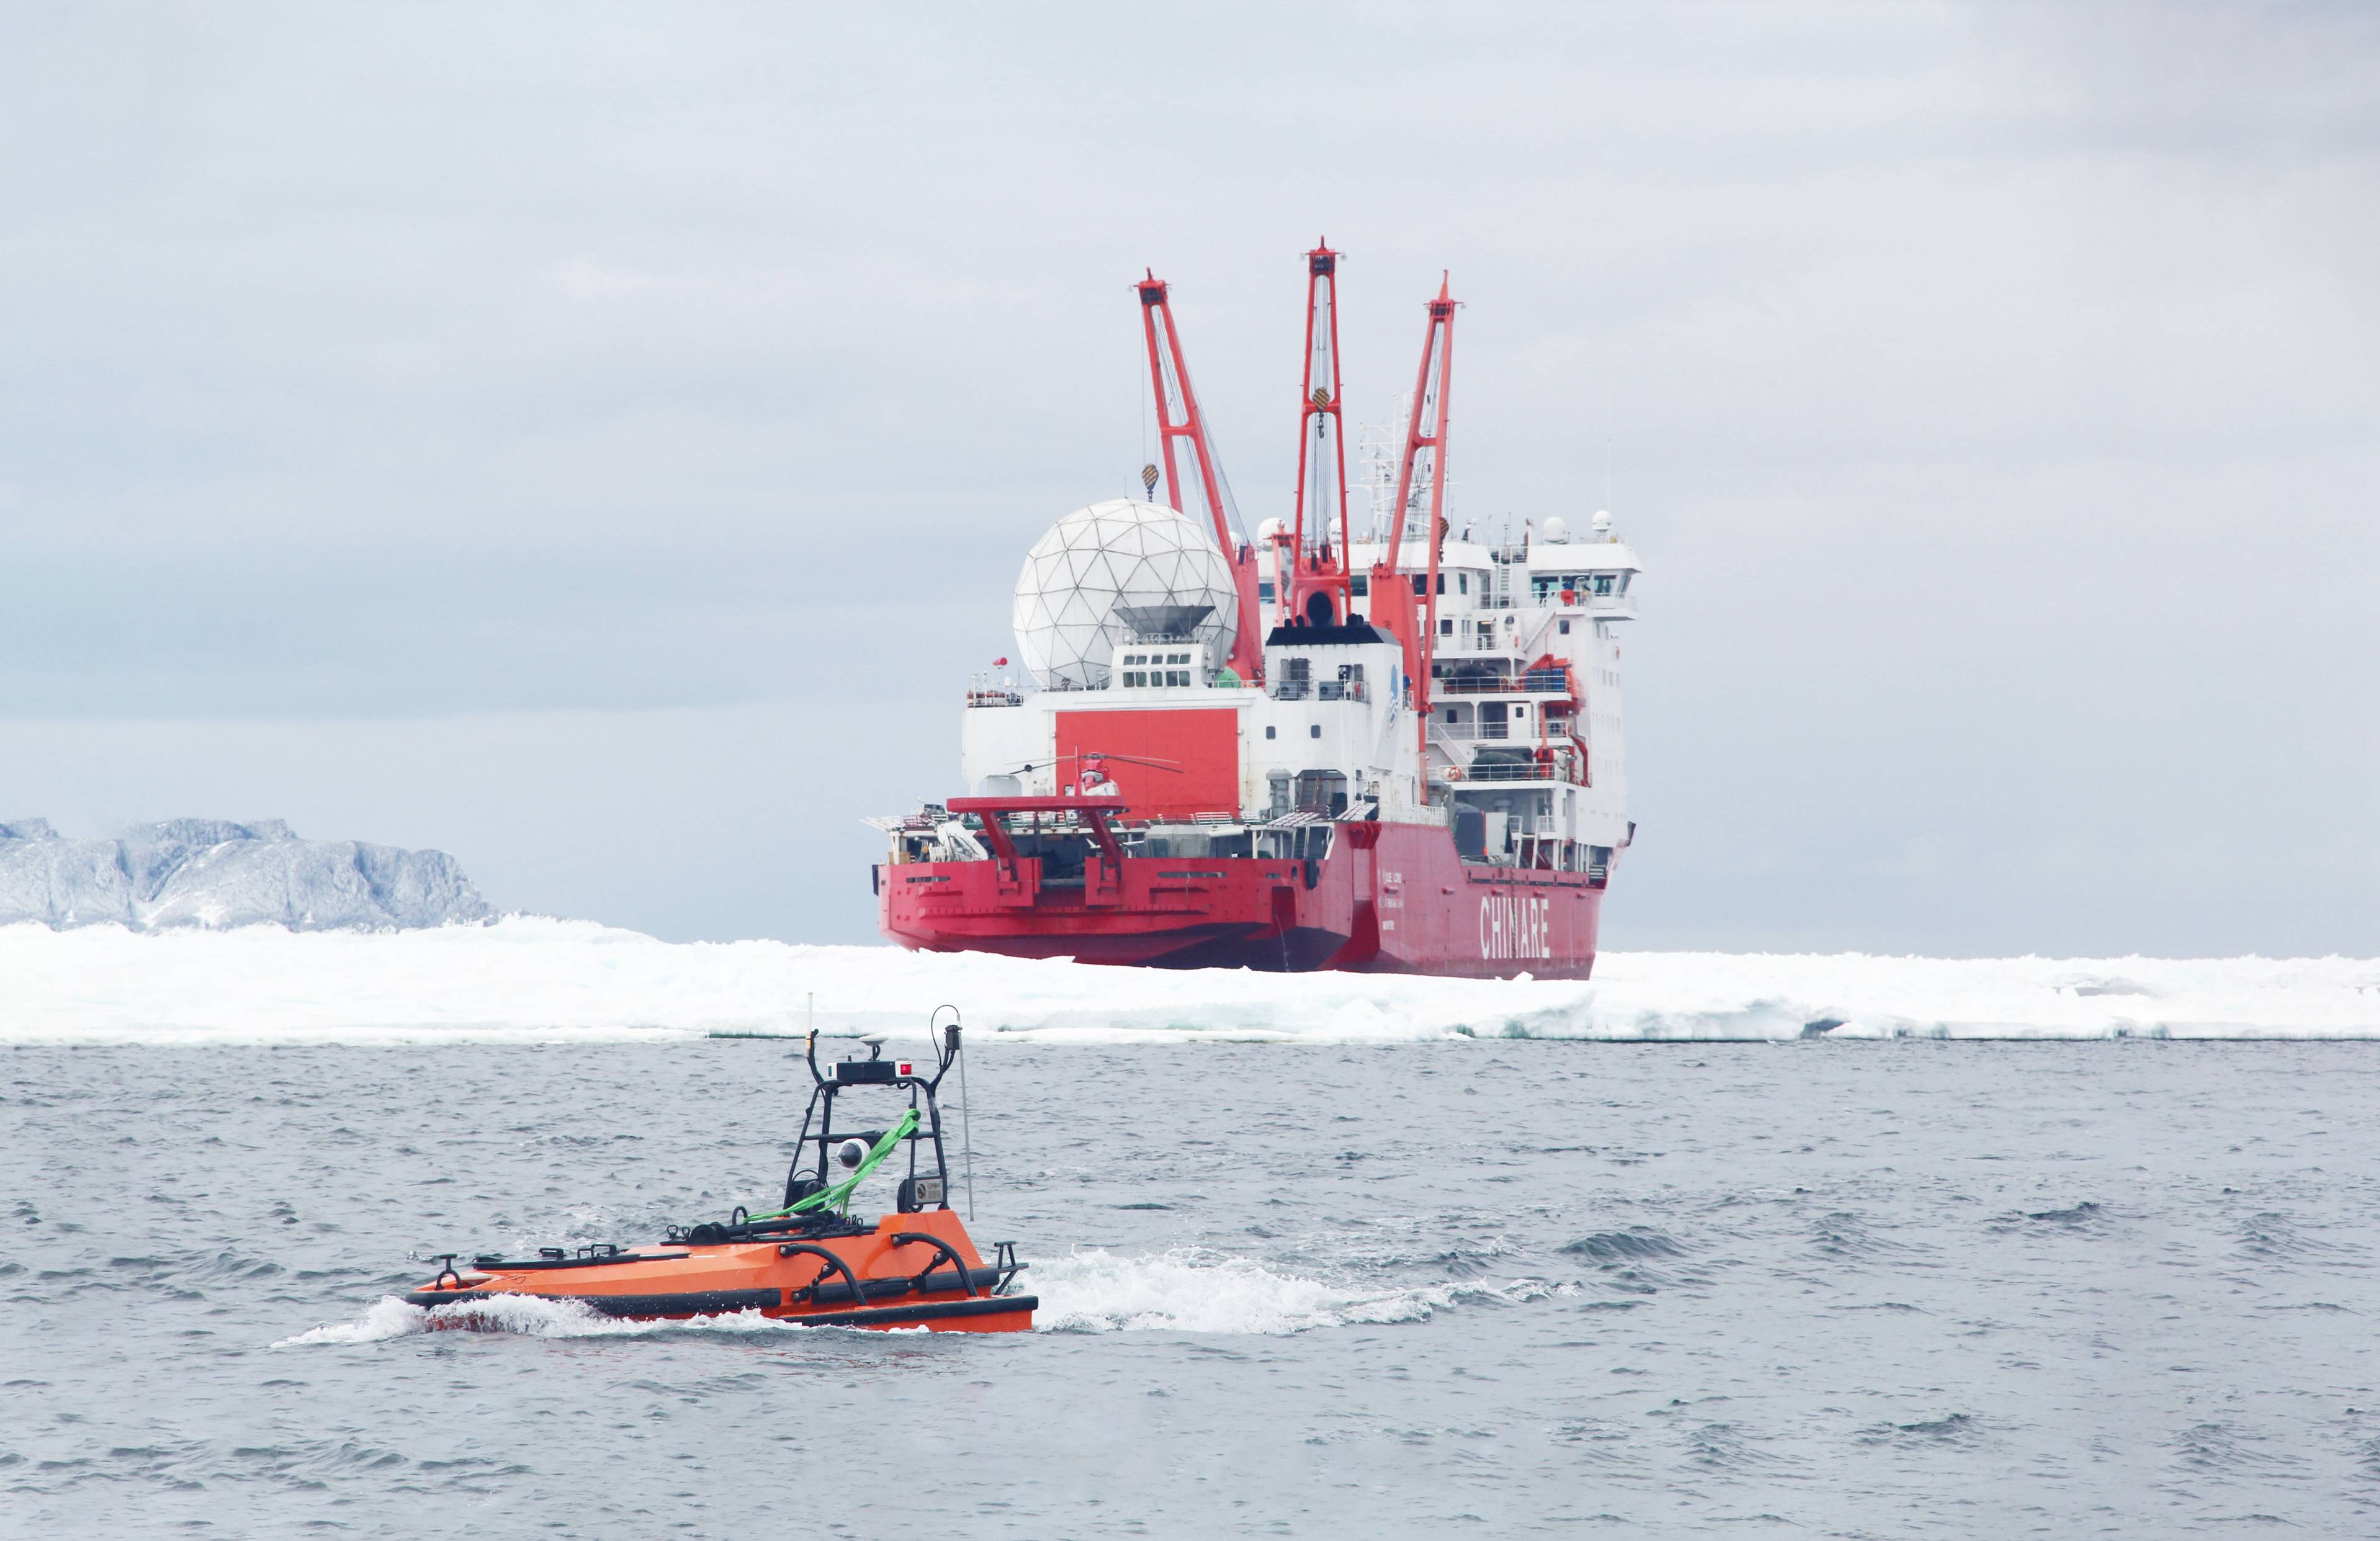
{"type": "Point", "coordinates": [600, 441]}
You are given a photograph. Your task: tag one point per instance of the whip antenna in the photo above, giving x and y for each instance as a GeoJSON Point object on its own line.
{"type": "Point", "coordinates": [966, 1103]}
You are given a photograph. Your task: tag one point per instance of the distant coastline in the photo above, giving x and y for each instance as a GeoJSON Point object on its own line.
{"type": "Point", "coordinates": [212, 874]}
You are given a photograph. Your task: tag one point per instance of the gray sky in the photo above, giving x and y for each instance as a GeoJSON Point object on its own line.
{"type": "Point", "coordinates": [598, 442]}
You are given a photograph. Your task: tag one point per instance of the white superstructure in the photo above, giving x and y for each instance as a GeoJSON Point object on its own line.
{"type": "Point", "coordinates": [1524, 725]}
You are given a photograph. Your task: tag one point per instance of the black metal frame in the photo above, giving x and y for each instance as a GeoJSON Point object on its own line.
{"type": "Point", "coordinates": [821, 1110]}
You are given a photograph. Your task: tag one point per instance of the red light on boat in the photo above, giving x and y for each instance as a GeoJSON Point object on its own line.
{"type": "Point", "coordinates": [903, 1068]}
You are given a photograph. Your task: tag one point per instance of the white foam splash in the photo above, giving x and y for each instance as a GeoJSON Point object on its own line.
{"type": "Point", "coordinates": [1191, 1289]}
{"type": "Point", "coordinates": [387, 1317]}
{"type": "Point", "coordinates": [527, 978]}
{"type": "Point", "coordinates": [524, 1315]}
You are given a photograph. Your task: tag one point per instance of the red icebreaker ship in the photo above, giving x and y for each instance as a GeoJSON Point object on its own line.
{"type": "Point", "coordinates": [1395, 748]}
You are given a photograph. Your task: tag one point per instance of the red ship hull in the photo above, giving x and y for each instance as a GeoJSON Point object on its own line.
{"type": "Point", "coordinates": [1388, 898]}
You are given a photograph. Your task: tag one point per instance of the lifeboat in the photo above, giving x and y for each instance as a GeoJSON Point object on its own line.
{"type": "Point", "coordinates": [811, 1260]}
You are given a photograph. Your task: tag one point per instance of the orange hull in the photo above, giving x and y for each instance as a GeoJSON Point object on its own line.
{"type": "Point", "coordinates": [909, 1271]}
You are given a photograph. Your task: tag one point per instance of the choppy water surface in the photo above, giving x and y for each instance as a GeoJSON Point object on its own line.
{"type": "Point", "coordinates": [1859, 1290]}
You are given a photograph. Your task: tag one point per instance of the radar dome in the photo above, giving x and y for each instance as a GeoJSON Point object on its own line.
{"type": "Point", "coordinates": [1556, 531]}
{"type": "Point", "coordinates": [1107, 573]}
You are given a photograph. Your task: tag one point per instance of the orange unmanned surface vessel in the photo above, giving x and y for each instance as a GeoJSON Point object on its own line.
{"type": "Point", "coordinates": [810, 1261]}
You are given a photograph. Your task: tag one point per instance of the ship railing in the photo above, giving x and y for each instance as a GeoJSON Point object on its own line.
{"type": "Point", "coordinates": [1535, 682]}
{"type": "Point", "coordinates": [1464, 733]}
{"type": "Point", "coordinates": [1580, 599]}
{"type": "Point", "coordinates": [1528, 772]}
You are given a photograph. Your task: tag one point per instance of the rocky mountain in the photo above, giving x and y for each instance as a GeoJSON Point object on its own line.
{"type": "Point", "coordinates": [210, 873]}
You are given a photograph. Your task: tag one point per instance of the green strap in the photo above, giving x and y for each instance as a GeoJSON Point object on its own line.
{"type": "Point", "coordinates": [840, 1195]}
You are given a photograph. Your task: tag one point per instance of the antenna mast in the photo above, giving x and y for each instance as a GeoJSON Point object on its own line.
{"type": "Point", "coordinates": [1313, 568]}
{"type": "Point", "coordinates": [1415, 617]}
{"type": "Point", "coordinates": [1178, 417]}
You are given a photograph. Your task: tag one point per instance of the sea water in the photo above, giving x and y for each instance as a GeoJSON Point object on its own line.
{"type": "Point", "coordinates": [1852, 1289]}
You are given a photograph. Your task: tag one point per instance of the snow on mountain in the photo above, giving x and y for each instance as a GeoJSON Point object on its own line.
{"type": "Point", "coordinates": [212, 874]}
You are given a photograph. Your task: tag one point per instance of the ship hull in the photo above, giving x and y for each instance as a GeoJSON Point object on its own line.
{"type": "Point", "coordinates": [1389, 899]}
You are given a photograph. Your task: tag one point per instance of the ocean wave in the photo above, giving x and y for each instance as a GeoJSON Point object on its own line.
{"type": "Point", "coordinates": [527, 978]}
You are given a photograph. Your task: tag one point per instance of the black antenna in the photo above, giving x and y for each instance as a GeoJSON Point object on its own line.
{"type": "Point", "coordinates": [967, 1136]}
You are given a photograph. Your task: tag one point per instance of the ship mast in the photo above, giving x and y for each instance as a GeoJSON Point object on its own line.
{"type": "Point", "coordinates": [1318, 568]}
{"type": "Point", "coordinates": [1416, 623]}
{"type": "Point", "coordinates": [1178, 417]}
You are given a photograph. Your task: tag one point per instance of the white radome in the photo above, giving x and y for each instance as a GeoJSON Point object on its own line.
{"type": "Point", "coordinates": [1098, 561]}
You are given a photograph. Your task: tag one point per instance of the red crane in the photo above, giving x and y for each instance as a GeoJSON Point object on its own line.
{"type": "Point", "coordinates": [1178, 417]}
{"type": "Point", "coordinates": [1314, 583]}
{"type": "Point", "coordinates": [1414, 616]}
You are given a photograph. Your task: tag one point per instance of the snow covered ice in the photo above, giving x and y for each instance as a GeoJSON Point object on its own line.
{"type": "Point", "coordinates": [212, 873]}
{"type": "Point", "coordinates": [525, 977]}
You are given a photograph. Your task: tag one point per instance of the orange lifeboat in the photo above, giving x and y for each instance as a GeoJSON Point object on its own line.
{"type": "Point", "coordinates": [810, 1261]}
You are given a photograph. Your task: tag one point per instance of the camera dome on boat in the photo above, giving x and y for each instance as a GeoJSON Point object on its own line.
{"type": "Point", "coordinates": [1113, 571]}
